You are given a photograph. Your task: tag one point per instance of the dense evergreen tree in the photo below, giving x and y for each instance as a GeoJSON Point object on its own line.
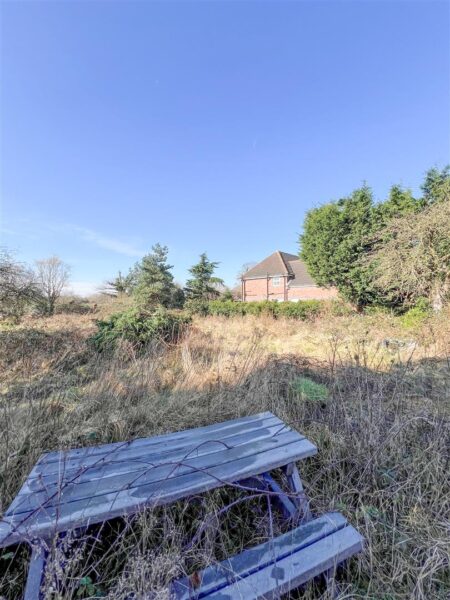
{"type": "Point", "coordinates": [436, 185]}
{"type": "Point", "coordinates": [333, 240]}
{"type": "Point", "coordinates": [338, 239]}
{"type": "Point", "coordinates": [203, 285]}
{"type": "Point", "coordinates": [154, 279]}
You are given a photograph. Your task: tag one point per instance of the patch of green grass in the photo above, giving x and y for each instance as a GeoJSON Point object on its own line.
{"type": "Point", "coordinates": [309, 390]}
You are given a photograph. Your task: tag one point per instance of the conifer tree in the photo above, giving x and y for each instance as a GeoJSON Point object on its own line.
{"type": "Point", "coordinates": [155, 284]}
{"type": "Point", "coordinates": [203, 285]}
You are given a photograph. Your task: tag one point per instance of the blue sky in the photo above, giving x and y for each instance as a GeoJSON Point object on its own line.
{"type": "Point", "coordinates": [208, 126]}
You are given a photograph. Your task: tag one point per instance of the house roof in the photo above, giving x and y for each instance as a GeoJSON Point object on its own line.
{"type": "Point", "coordinates": [282, 263]}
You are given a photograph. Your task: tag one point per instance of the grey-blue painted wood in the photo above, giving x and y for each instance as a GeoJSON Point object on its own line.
{"type": "Point", "coordinates": [278, 566]}
{"type": "Point", "coordinates": [54, 494]}
{"type": "Point", "coordinates": [209, 432]}
{"type": "Point", "coordinates": [93, 468]}
{"type": "Point", "coordinates": [35, 572]}
{"type": "Point", "coordinates": [287, 506]}
{"type": "Point", "coordinates": [86, 486]}
{"type": "Point", "coordinates": [296, 486]}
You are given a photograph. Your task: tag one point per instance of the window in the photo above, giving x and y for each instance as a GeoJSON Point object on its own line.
{"type": "Point", "coordinates": [276, 281]}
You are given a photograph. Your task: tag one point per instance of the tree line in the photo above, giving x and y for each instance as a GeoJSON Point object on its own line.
{"type": "Point", "coordinates": [151, 282]}
{"type": "Point", "coordinates": [391, 253]}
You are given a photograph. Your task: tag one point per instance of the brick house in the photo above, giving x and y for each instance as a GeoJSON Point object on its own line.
{"type": "Point", "coordinates": [282, 277]}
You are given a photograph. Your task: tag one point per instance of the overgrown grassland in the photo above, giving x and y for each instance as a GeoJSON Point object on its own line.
{"type": "Point", "coordinates": [381, 426]}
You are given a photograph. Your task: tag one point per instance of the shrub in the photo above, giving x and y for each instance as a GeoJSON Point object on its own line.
{"type": "Point", "coordinates": [417, 315]}
{"type": "Point", "coordinates": [339, 308]}
{"type": "Point", "coordinates": [197, 306]}
{"type": "Point", "coordinates": [139, 328]}
{"type": "Point", "coordinates": [303, 310]}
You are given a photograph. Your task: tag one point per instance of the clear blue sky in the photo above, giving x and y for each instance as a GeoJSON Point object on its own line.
{"type": "Point", "coordinates": [209, 126]}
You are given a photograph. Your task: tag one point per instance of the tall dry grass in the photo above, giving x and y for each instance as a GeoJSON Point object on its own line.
{"type": "Point", "coordinates": [382, 436]}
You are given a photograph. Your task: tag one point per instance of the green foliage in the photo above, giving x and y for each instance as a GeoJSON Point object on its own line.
{"type": "Point", "coordinates": [339, 238]}
{"type": "Point", "coordinates": [436, 186]}
{"type": "Point", "coordinates": [88, 589]}
{"type": "Point", "coordinates": [333, 240]}
{"type": "Point", "coordinates": [121, 284]}
{"type": "Point", "coordinates": [139, 327]}
{"type": "Point", "coordinates": [203, 284]}
{"type": "Point", "coordinates": [226, 295]}
{"type": "Point", "coordinates": [302, 310]}
{"type": "Point", "coordinates": [399, 202]}
{"type": "Point", "coordinates": [154, 280]}
{"type": "Point", "coordinates": [310, 391]}
{"type": "Point", "coordinates": [339, 308]}
{"type": "Point", "coordinates": [415, 316]}
{"type": "Point", "coordinates": [197, 306]}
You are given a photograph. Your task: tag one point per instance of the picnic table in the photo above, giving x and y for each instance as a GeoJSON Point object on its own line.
{"type": "Point", "coordinates": [73, 489]}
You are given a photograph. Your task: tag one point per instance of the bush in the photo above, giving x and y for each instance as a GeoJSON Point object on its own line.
{"type": "Point", "coordinates": [197, 306]}
{"type": "Point", "coordinates": [139, 328]}
{"type": "Point", "coordinates": [417, 315]}
{"type": "Point", "coordinates": [303, 310]}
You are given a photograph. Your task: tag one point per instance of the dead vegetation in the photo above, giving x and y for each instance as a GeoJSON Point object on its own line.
{"type": "Point", "coordinates": [382, 434]}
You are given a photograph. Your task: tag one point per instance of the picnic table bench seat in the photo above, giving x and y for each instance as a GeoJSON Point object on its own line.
{"type": "Point", "coordinates": [74, 489]}
{"type": "Point", "coordinates": [277, 566]}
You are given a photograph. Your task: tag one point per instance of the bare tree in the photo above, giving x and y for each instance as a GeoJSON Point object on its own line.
{"type": "Point", "coordinates": [18, 289]}
{"type": "Point", "coordinates": [52, 275]}
{"type": "Point", "coordinates": [411, 256]}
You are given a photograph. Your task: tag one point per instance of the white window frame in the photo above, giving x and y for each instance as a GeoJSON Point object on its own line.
{"type": "Point", "coordinates": [276, 281]}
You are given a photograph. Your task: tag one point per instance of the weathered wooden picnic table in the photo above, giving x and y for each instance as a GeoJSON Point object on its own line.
{"type": "Point", "coordinates": [74, 489]}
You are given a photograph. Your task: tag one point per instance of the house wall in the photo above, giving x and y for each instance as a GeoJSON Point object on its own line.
{"type": "Point", "coordinates": [311, 293]}
{"type": "Point", "coordinates": [255, 290]}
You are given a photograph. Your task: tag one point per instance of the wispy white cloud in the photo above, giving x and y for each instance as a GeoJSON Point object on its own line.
{"type": "Point", "coordinates": [108, 243]}
{"type": "Point", "coordinates": [34, 230]}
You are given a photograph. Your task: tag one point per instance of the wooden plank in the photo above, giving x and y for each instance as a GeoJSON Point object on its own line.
{"type": "Point", "coordinates": [283, 575]}
{"type": "Point", "coordinates": [187, 435]}
{"type": "Point", "coordinates": [249, 561]}
{"type": "Point", "coordinates": [35, 573]}
{"type": "Point", "coordinates": [5, 531]}
{"type": "Point", "coordinates": [287, 506]}
{"type": "Point", "coordinates": [296, 485]}
{"type": "Point", "coordinates": [100, 508]}
{"type": "Point", "coordinates": [128, 450]}
{"type": "Point", "coordinates": [71, 492]}
{"type": "Point", "coordinates": [137, 460]}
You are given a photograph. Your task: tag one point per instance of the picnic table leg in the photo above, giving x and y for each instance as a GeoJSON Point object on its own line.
{"type": "Point", "coordinates": [266, 482]}
{"type": "Point", "coordinates": [36, 569]}
{"type": "Point", "coordinates": [296, 486]}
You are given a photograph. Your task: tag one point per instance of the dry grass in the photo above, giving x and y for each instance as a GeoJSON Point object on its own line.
{"type": "Point", "coordinates": [382, 436]}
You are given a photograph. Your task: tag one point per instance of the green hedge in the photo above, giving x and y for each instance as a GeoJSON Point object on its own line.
{"type": "Point", "coordinates": [139, 328]}
{"type": "Point", "coordinates": [306, 309]}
